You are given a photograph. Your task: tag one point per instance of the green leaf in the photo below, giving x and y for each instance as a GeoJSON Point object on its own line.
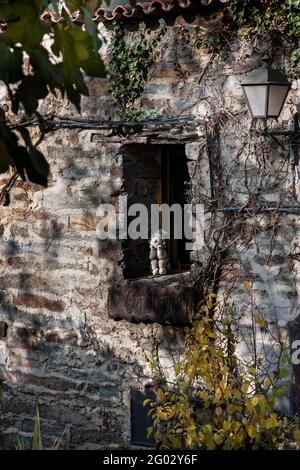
{"type": "Point", "coordinates": [91, 28]}
{"type": "Point", "coordinates": [25, 25]}
{"type": "Point", "coordinates": [39, 163]}
{"type": "Point", "coordinates": [4, 156]}
{"type": "Point", "coordinates": [297, 436]}
{"type": "Point", "coordinates": [10, 64]}
{"type": "Point", "coordinates": [30, 91]}
{"type": "Point", "coordinates": [37, 439]}
{"type": "Point", "coordinates": [8, 146]}
{"type": "Point", "coordinates": [94, 67]}
{"type": "Point", "coordinates": [77, 50]}
{"type": "Point", "coordinates": [2, 115]}
{"type": "Point", "coordinates": [31, 165]}
{"type": "Point", "coordinates": [21, 444]}
{"type": "Point", "coordinates": [30, 162]}
{"type": "Point", "coordinates": [51, 73]}
{"type": "Point", "coordinates": [283, 373]}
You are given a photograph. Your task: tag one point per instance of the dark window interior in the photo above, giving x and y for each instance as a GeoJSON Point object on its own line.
{"type": "Point", "coordinates": [175, 178]}
{"type": "Point", "coordinates": [140, 421]}
{"type": "Point", "coordinates": [154, 175]}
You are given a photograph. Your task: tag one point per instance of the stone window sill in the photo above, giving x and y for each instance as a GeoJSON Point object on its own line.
{"type": "Point", "coordinates": [161, 299]}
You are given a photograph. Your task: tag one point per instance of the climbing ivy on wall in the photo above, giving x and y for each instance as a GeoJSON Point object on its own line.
{"type": "Point", "coordinates": [260, 16]}
{"type": "Point", "coordinates": [128, 68]}
{"type": "Point", "coordinates": [130, 60]}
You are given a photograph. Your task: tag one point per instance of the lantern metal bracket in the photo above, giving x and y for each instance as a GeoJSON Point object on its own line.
{"type": "Point", "coordinates": [294, 138]}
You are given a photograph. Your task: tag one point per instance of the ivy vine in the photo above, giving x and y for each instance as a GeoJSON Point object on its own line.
{"type": "Point", "coordinates": [130, 60]}
{"type": "Point", "coordinates": [256, 17]}
{"type": "Point", "coordinates": [128, 69]}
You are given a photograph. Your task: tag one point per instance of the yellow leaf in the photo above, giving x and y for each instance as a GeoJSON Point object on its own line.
{"type": "Point", "coordinates": [267, 382]}
{"type": "Point", "coordinates": [297, 436]}
{"type": "Point", "coordinates": [227, 425]}
{"type": "Point", "coordinates": [248, 286]}
{"type": "Point", "coordinates": [218, 394]}
{"type": "Point", "coordinates": [236, 426]}
{"type": "Point", "coordinates": [260, 321]}
{"type": "Point", "coordinates": [255, 401]}
{"type": "Point", "coordinates": [218, 411]}
{"type": "Point", "coordinates": [271, 422]}
{"type": "Point", "coordinates": [204, 395]}
{"type": "Point", "coordinates": [251, 431]}
{"type": "Point", "coordinates": [175, 441]}
{"type": "Point", "coordinates": [210, 443]}
{"type": "Point", "coordinates": [218, 439]}
{"type": "Point", "coordinates": [245, 387]}
{"type": "Point", "coordinates": [201, 438]}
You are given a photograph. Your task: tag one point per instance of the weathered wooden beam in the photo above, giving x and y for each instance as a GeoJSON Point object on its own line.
{"type": "Point", "coordinates": [165, 299]}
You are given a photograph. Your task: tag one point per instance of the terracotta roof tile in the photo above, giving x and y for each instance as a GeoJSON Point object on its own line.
{"type": "Point", "coordinates": [154, 7]}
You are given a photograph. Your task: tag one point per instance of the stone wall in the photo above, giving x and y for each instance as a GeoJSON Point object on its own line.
{"type": "Point", "coordinates": [57, 343]}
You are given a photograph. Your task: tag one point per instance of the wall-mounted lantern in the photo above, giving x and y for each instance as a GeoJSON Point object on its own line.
{"type": "Point", "coordinates": [265, 90]}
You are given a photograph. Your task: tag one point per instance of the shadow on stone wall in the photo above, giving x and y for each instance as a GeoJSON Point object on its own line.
{"type": "Point", "coordinates": [52, 292]}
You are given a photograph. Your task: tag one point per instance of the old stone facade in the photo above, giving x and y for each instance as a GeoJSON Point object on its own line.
{"type": "Point", "coordinates": [58, 344]}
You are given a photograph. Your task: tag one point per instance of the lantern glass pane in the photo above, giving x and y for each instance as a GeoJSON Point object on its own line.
{"type": "Point", "coordinates": [277, 95]}
{"type": "Point", "coordinates": [257, 99]}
